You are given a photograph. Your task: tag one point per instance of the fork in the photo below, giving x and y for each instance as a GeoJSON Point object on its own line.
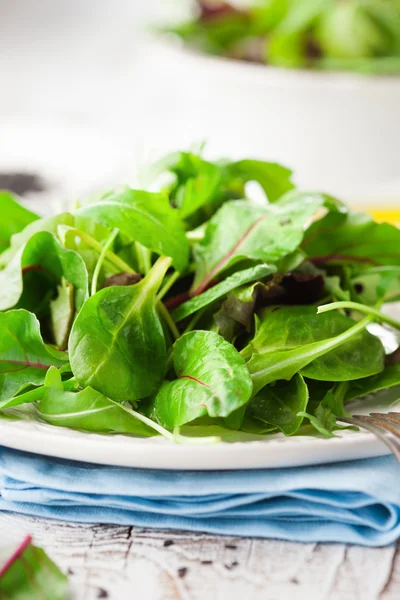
{"type": "Point", "coordinates": [385, 426]}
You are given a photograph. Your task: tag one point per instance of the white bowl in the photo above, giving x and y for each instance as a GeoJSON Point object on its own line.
{"type": "Point", "coordinates": [338, 131]}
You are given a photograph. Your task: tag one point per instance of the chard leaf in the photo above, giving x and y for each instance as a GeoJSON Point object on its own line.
{"type": "Point", "coordinates": [117, 344]}
{"type": "Point", "coordinates": [212, 379]}
{"type": "Point", "coordinates": [15, 217]}
{"type": "Point", "coordinates": [24, 357]}
{"type": "Point", "coordinates": [240, 230]}
{"type": "Point", "coordinates": [29, 573]}
{"type": "Point", "coordinates": [88, 410]}
{"type": "Point", "coordinates": [221, 289]}
{"type": "Point", "coordinates": [43, 255]}
{"type": "Point", "coordinates": [293, 339]}
{"type": "Point", "coordinates": [143, 217]}
{"type": "Point", "coordinates": [352, 238]}
{"type": "Point", "coordinates": [279, 405]}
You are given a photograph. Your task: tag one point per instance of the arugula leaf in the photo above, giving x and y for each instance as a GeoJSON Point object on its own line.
{"type": "Point", "coordinates": [44, 255]}
{"type": "Point", "coordinates": [24, 357]}
{"type": "Point", "coordinates": [327, 411]}
{"type": "Point", "coordinates": [211, 379]}
{"type": "Point", "coordinates": [30, 573]}
{"type": "Point", "coordinates": [240, 231]}
{"type": "Point", "coordinates": [117, 344]}
{"type": "Point", "coordinates": [294, 339]}
{"type": "Point", "coordinates": [15, 217]}
{"type": "Point", "coordinates": [279, 405]}
{"type": "Point", "coordinates": [221, 289]}
{"type": "Point", "coordinates": [143, 217]}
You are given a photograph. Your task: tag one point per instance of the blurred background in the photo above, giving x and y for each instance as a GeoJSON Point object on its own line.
{"type": "Point", "coordinates": [88, 97]}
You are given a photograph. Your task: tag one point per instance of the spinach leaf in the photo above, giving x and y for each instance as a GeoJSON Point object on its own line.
{"type": "Point", "coordinates": [388, 378]}
{"type": "Point", "coordinates": [15, 217]}
{"type": "Point", "coordinates": [44, 255]}
{"type": "Point", "coordinates": [49, 224]}
{"type": "Point", "coordinates": [29, 573]}
{"type": "Point", "coordinates": [240, 230]}
{"type": "Point", "coordinates": [62, 310]}
{"type": "Point", "coordinates": [279, 404]}
{"type": "Point", "coordinates": [88, 410]}
{"type": "Point", "coordinates": [221, 289]}
{"type": "Point", "coordinates": [117, 344]}
{"type": "Point", "coordinates": [24, 357]}
{"type": "Point", "coordinates": [212, 379]}
{"type": "Point", "coordinates": [143, 217]}
{"type": "Point", "coordinates": [293, 339]}
{"type": "Point", "coordinates": [273, 178]}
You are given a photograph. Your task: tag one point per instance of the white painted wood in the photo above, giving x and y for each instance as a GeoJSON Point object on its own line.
{"type": "Point", "coordinates": [121, 563]}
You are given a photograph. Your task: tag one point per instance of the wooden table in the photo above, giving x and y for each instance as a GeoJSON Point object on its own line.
{"type": "Point", "coordinates": [123, 563]}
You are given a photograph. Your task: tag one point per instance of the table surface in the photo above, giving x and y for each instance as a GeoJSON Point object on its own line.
{"type": "Point", "coordinates": [121, 563]}
{"type": "Point", "coordinates": [92, 82]}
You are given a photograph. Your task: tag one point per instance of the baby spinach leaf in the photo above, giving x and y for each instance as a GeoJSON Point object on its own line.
{"type": "Point", "coordinates": [293, 339]}
{"type": "Point", "coordinates": [43, 254]}
{"type": "Point", "coordinates": [221, 289]}
{"type": "Point", "coordinates": [212, 379]}
{"type": "Point", "coordinates": [117, 344]}
{"type": "Point", "coordinates": [273, 178]}
{"type": "Point", "coordinates": [388, 378]}
{"type": "Point", "coordinates": [143, 217]}
{"type": "Point", "coordinates": [49, 224]}
{"type": "Point", "coordinates": [15, 217]}
{"type": "Point", "coordinates": [279, 404]}
{"type": "Point", "coordinates": [240, 230]}
{"type": "Point", "coordinates": [29, 573]}
{"type": "Point", "coordinates": [89, 410]}
{"type": "Point", "coordinates": [24, 358]}
{"type": "Point", "coordinates": [62, 311]}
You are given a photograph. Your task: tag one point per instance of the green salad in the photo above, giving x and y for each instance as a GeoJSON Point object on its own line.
{"type": "Point", "coordinates": [352, 35]}
{"type": "Point", "coordinates": [200, 305]}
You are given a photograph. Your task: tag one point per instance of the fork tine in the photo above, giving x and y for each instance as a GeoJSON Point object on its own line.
{"type": "Point", "coordinates": [388, 435]}
{"type": "Point", "coordinates": [391, 417]}
{"type": "Point", "coordinates": [379, 420]}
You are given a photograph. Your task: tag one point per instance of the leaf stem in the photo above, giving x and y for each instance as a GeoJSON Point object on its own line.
{"type": "Point", "coordinates": [362, 308]}
{"type": "Point", "coordinates": [144, 258]}
{"type": "Point", "coordinates": [168, 285]}
{"type": "Point", "coordinates": [168, 320]}
{"type": "Point", "coordinates": [149, 422]}
{"type": "Point", "coordinates": [111, 257]}
{"type": "Point", "coordinates": [100, 260]}
{"type": "Point", "coordinates": [196, 317]}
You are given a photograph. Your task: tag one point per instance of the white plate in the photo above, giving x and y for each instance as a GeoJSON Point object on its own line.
{"type": "Point", "coordinates": [157, 453]}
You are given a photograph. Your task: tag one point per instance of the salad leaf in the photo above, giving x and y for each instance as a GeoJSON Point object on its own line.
{"type": "Point", "coordinates": [273, 178]}
{"type": "Point", "coordinates": [15, 217]}
{"type": "Point", "coordinates": [293, 339]}
{"type": "Point", "coordinates": [352, 238]}
{"type": "Point", "coordinates": [42, 254]}
{"type": "Point", "coordinates": [30, 573]}
{"type": "Point", "coordinates": [117, 344]}
{"type": "Point", "coordinates": [88, 410]}
{"type": "Point", "coordinates": [221, 289]}
{"type": "Point", "coordinates": [240, 231]}
{"type": "Point", "coordinates": [278, 405]}
{"type": "Point", "coordinates": [212, 379]}
{"type": "Point", "coordinates": [24, 357]}
{"type": "Point", "coordinates": [388, 378]}
{"type": "Point", "coordinates": [143, 217]}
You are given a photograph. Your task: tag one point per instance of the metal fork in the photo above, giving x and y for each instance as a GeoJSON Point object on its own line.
{"type": "Point", "coordinates": [385, 426]}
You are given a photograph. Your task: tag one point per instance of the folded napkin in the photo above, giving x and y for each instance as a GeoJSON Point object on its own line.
{"type": "Point", "coordinates": [354, 502]}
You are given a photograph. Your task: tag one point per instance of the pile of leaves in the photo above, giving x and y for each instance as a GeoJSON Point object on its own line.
{"type": "Point", "coordinates": [144, 311]}
{"type": "Point", "coordinates": [355, 35]}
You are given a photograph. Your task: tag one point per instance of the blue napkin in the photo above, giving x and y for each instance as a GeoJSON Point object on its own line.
{"type": "Point", "coordinates": [354, 502]}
